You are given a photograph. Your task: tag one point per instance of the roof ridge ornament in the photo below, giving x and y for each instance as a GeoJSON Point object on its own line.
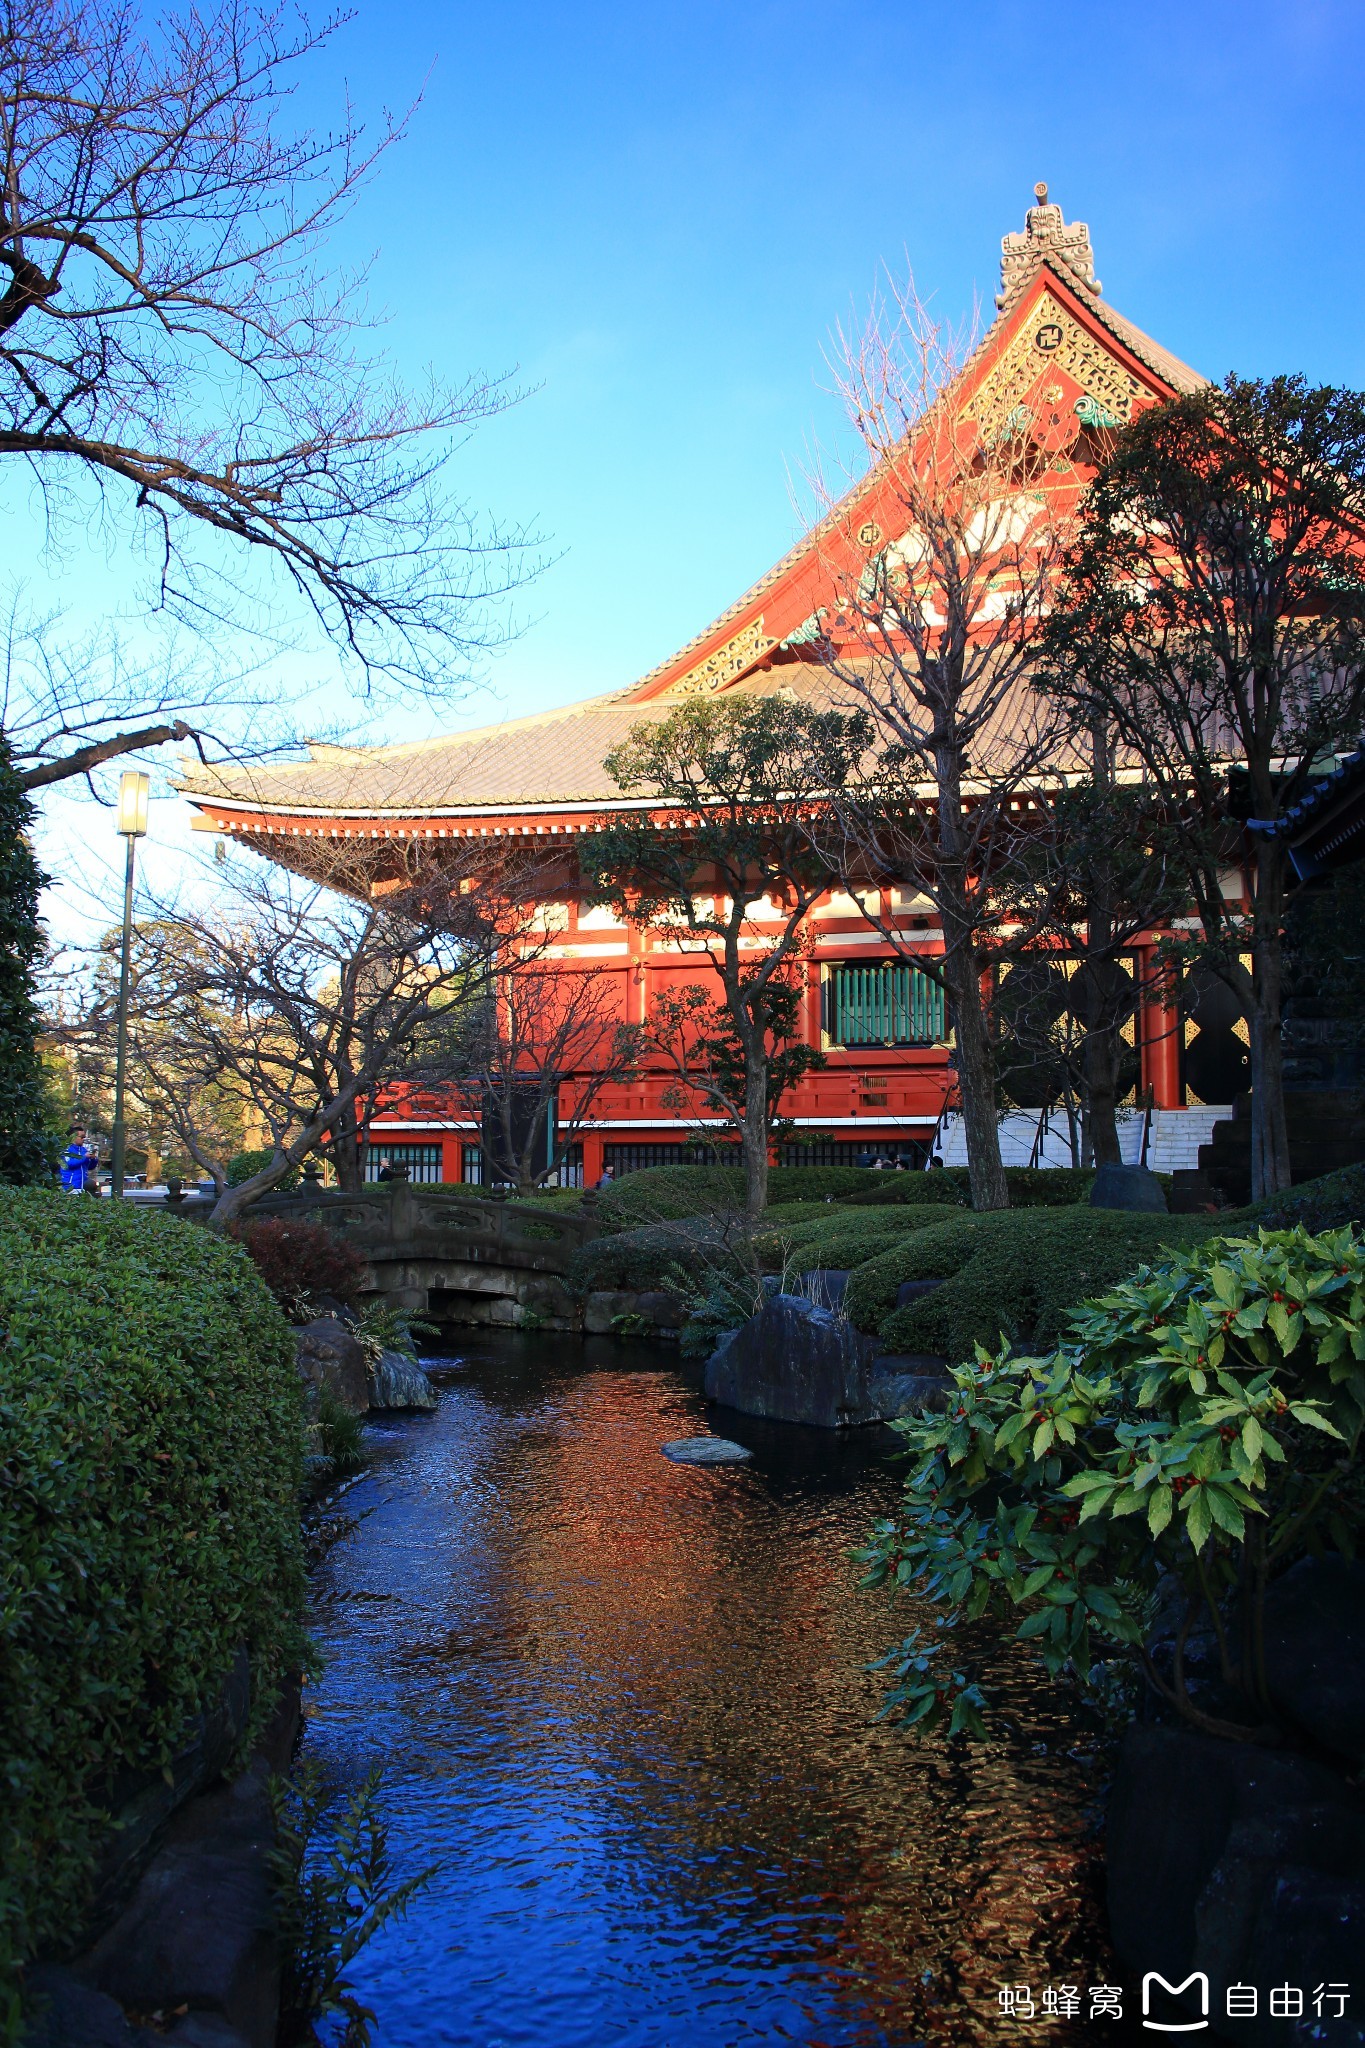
{"type": "Point", "coordinates": [1046, 238]}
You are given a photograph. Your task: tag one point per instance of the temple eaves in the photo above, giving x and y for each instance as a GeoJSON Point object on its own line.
{"type": "Point", "coordinates": [1051, 313]}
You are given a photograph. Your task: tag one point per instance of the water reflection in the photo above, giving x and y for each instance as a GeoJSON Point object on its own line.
{"type": "Point", "coordinates": [623, 1704]}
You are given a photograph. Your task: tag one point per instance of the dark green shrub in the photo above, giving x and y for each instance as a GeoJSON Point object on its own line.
{"type": "Point", "coordinates": [779, 1215]}
{"type": "Point", "coordinates": [1327, 1203]}
{"type": "Point", "coordinates": [833, 1237]}
{"type": "Point", "coordinates": [813, 1183]}
{"type": "Point", "coordinates": [934, 1253]}
{"type": "Point", "coordinates": [1015, 1272]}
{"type": "Point", "coordinates": [243, 1165]}
{"type": "Point", "coordinates": [150, 1418]}
{"type": "Point", "coordinates": [689, 1255]}
{"type": "Point", "coordinates": [1031, 1187]}
{"type": "Point", "coordinates": [1048, 1187]}
{"type": "Point", "coordinates": [28, 1146]}
{"type": "Point", "coordinates": [1196, 1435]}
{"type": "Point", "coordinates": [663, 1194]}
{"type": "Point", "coordinates": [945, 1188]}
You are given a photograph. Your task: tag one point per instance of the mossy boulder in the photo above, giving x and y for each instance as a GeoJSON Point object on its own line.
{"type": "Point", "coordinates": [1012, 1272]}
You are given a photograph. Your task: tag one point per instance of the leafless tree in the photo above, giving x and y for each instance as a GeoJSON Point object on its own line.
{"type": "Point", "coordinates": [935, 634]}
{"type": "Point", "coordinates": [176, 343]}
{"type": "Point", "coordinates": [529, 1062]}
{"type": "Point", "coordinates": [296, 1006]}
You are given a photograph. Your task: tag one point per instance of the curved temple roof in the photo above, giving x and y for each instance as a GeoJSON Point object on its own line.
{"type": "Point", "coordinates": [1051, 317]}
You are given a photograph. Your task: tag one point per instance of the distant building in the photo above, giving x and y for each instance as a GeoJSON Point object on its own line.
{"type": "Point", "coordinates": [1071, 366]}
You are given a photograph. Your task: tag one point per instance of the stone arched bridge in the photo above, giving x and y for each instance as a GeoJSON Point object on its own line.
{"type": "Point", "coordinates": [453, 1256]}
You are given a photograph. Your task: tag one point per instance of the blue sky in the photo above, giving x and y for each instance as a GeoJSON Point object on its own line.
{"type": "Point", "coordinates": [655, 215]}
{"type": "Point", "coordinates": [658, 213]}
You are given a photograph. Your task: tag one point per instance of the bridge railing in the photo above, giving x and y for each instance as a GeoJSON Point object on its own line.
{"type": "Point", "coordinates": [397, 1220]}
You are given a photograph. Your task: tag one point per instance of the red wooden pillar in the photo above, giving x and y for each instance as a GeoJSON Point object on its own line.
{"type": "Point", "coordinates": [1160, 1038]}
{"type": "Point", "coordinates": [811, 1024]}
{"type": "Point", "coordinates": [637, 993]}
{"type": "Point", "coordinates": [593, 1146]}
{"type": "Point", "coordinates": [451, 1157]}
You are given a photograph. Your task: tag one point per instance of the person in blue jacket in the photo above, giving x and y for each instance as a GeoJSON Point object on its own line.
{"type": "Point", "coordinates": [79, 1163]}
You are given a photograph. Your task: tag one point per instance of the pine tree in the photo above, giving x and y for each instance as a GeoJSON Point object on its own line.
{"type": "Point", "coordinates": [25, 1146]}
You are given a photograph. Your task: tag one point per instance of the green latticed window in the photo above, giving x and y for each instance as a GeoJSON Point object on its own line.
{"type": "Point", "coordinates": [887, 1004]}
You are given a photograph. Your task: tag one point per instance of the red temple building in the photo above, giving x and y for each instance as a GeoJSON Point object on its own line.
{"type": "Point", "coordinates": [1055, 348]}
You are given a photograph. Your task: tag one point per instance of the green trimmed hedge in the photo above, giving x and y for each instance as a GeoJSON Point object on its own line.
{"type": "Point", "coordinates": [244, 1165]}
{"type": "Point", "coordinates": [834, 1238]}
{"type": "Point", "coordinates": [1015, 1272]}
{"type": "Point", "coordinates": [150, 1418]}
{"type": "Point", "coordinates": [1327, 1203]}
{"type": "Point", "coordinates": [782, 1214]}
{"type": "Point", "coordinates": [815, 1183]}
{"type": "Point", "coordinates": [654, 1256]}
{"type": "Point", "coordinates": [1031, 1187]}
{"type": "Point", "coordinates": [661, 1194]}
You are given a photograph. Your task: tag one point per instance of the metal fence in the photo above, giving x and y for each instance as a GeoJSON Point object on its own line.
{"type": "Point", "coordinates": [568, 1174]}
{"type": "Point", "coordinates": [422, 1161]}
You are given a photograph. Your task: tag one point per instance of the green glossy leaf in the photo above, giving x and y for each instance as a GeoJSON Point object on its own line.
{"type": "Point", "coordinates": [1197, 1520]}
{"type": "Point", "coordinates": [1306, 1412]}
{"type": "Point", "coordinates": [1226, 1513]}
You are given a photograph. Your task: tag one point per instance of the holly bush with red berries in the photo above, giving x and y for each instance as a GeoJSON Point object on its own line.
{"type": "Point", "coordinates": [1196, 1434]}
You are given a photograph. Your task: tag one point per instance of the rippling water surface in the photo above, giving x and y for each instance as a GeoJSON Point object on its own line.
{"type": "Point", "coordinates": [623, 1706]}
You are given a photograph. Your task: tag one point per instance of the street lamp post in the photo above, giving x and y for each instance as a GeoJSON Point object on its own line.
{"type": "Point", "coordinates": [133, 791]}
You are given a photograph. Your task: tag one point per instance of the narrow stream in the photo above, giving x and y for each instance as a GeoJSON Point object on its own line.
{"type": "Point", "coordinates": [623, 1706]}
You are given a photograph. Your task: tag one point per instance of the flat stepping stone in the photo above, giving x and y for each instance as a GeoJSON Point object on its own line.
{"type": "Point", "coordinates": [705, 1450]}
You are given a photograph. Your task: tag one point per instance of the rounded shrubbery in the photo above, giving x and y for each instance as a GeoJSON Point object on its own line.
{"type": "Point", "coordinates": [244, 1165]}
{"type": "Point", "coordinates": [687, 1257]}
{"type": "Point", "coordinates": [1010, 1272]}
{"type": "Point", "coordinates": [814, 1183]}
{"type": "Point", "coordinates": [943, 1189]}
{"type": "Point", "coordinates": [667, 1194]}
{"type": "Point", "coordinates": [150, 1420]}
{"type": "Point", "coordinates": [1328, 1203]}
{"type": "Point", "coordinates": [1030, 1187]}
{"type": "Point", "coordinates": [832, 1237]}
{"type": "Point", "coordinates": [662, 1194]}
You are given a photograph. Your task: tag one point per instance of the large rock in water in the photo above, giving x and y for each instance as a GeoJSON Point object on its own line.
{"type": "Point", "coordinates": [798, 1362]}
{"type": "Point", "coordinates": [1315, 1652]}
{"type": "Point", "coordinates": [1245, 1864]}
{"type": "Point", "coordinates": [330, 1356]}
{"type": "Point", "coordinates": [1128, 1187]}
{"type": "Point", "coordinates": [399, 1382]}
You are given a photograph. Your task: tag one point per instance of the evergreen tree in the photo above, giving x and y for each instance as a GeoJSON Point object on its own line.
{"type": "Point", "coordinates": [25, 1146]}
{"type": "Point", "coordinates": [1212, 614]}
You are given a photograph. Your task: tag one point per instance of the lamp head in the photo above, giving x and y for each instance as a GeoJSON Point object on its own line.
{"type": "Point", "coordinates": [133, 789]}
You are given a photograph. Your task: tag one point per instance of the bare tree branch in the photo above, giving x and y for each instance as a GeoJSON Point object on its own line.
{"type": "Point", "coordinates": [936, 637]}
{"type": "Point", "coordinates": [172, 334]}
